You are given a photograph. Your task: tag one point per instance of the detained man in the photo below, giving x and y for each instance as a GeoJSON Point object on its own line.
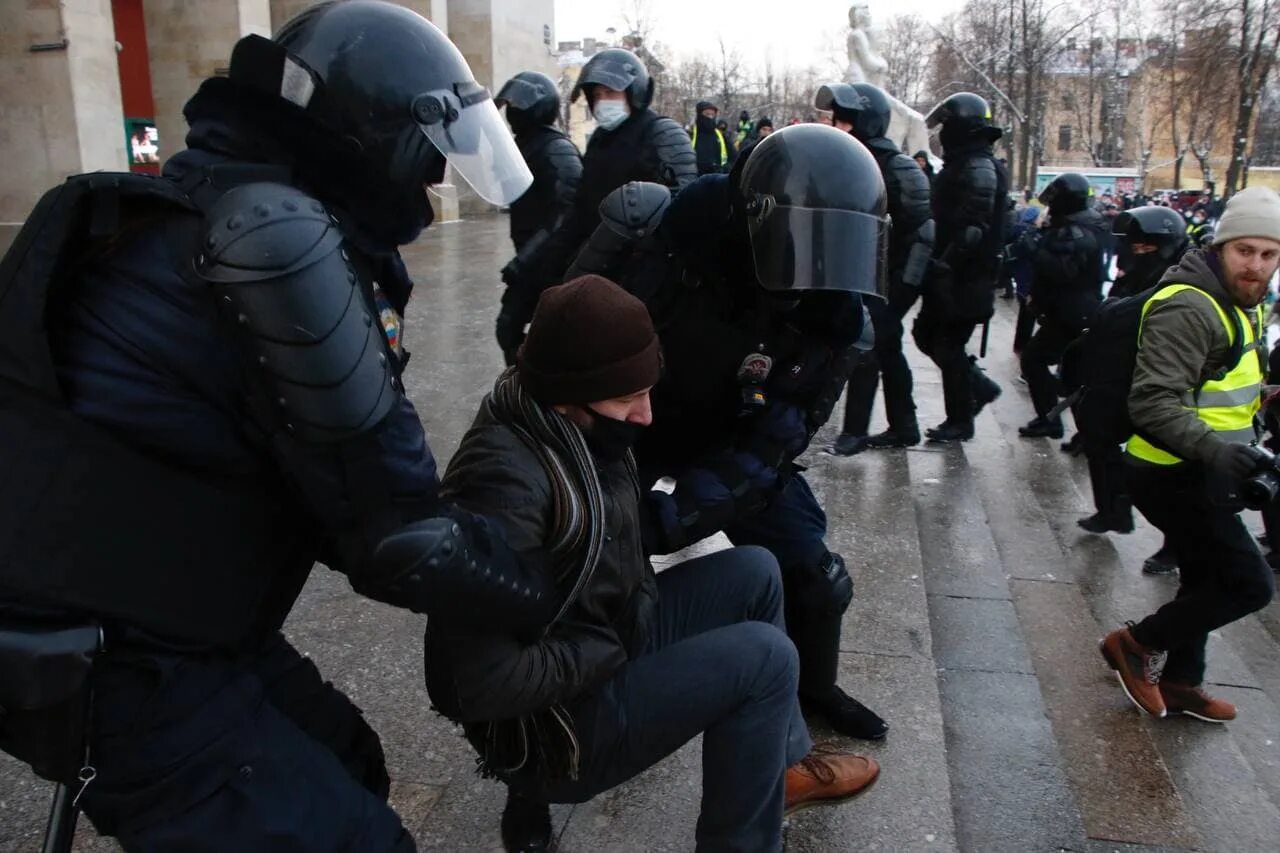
{"type": "Point", "coordinates": [633, 665]}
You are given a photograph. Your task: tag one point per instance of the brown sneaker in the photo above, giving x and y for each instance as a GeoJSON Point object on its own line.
{"type": "Point", "coordinates": [1138, 669]}
{"type": "Point", "coordinates": [827, 777]}
{"type": "Point", "coordinates": [1194, 702]}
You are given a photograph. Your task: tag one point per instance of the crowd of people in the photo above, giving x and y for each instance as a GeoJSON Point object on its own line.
{"type": "Point", "coordinates": [193, 372]}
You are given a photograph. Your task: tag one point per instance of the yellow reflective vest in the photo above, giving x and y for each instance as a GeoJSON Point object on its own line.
{"type": "Point", "coordinates": [1228, 404]}
{"type": "Point", "coordinates": [724, 150]}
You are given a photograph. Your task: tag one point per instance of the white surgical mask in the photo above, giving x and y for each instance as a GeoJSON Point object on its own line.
{"type": "Point", "coordinates": [610, 114]}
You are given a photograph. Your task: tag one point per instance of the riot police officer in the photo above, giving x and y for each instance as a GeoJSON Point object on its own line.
{"type": "Point", "coordinates": [532, 106]}
{"type": "Point", "coordinates": [968, 212]}
{"type": "Point", "coordinates": [753, 279]}
{"type": "Point", "coordinates": [1066, 287]}
{"type": "Point", "coordinates": [630, 143]}
{"type": "Point", "coordinates": [208, 409]}
{"type": "Point", "coordinates": [863, 110]}
{"type": "Point", "coordinates": [1149, 240]}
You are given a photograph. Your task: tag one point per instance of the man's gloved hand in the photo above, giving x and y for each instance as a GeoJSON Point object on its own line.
{"type": "Point", "coordinates": [777, 434]}
{"type": "Point", "coordinates": [509, 330]}
{"type": "Point", "coordinates": [1234, 462]}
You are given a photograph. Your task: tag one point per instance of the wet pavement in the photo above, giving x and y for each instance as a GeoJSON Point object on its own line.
{"type": "Point", "coordinates": [979, 605]}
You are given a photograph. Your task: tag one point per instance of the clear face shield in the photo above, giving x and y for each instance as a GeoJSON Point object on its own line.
{"type": "Point", "coordinates": [464, 124]}
{"type": "Point", "coordinates": [813, 249]}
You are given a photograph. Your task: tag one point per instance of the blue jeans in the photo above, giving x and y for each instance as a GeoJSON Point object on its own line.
{"type": "Point", "coordinates": [718, 663]}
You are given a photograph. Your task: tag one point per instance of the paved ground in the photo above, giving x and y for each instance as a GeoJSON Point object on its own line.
{"type": "Point", "coordinates": [978, 607]}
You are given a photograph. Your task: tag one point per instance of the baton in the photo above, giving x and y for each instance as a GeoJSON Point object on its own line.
{"type": "Point", "coordinates": [1064, 404]}
{"type": "Point", "coordinates": [986, 336]}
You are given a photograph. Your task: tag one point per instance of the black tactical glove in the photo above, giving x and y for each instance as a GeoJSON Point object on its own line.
{"type": "Point", "coordinates": [509, 330]}
{"type": "Point", "coordinates": [455, 568]}
{"type": "Point", "coordinates": [1234, 462]}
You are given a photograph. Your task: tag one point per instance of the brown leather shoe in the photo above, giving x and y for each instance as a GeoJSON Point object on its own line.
{"type": "Point", "coordinates": [1194, 702]}
{"type": "Point", "coordinates": [1138, 669]}
{"type": "Point", "coordinates": [826, 777]}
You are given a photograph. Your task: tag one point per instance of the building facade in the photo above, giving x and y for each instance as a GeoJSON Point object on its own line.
{"type": "Point", "coordinates": [89, 85]}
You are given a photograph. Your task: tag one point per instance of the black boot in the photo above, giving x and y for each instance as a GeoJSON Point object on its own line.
{"type": "Point", "coordinates": [1162, 562]}
{"type": "Point", "coordinates": [985, 389]}
{"type": "Point", "coordinates": [845, 714]}
{"type": "Point", "coordinates": [950, 431]}
{"type": "Point", "coordinates": [1041, 428]}
{"type": "Point", "coordinates": [526, 825]}
{"type": "Point", "coordinates": [847, 444]}
{"type": "Point", "coordinates": [892, 438]}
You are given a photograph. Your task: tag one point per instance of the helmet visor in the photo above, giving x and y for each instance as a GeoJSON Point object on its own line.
{"type": "Point", "coordinates": [609, 74]}
{"type": "Point", "coordinates": [804, 248]}
{"type": "Point", "coordinates": [520, 94]}
{"type": "Point", "coordinates": [478, 144]}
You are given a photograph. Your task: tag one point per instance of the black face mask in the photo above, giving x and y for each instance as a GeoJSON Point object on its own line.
{"type": "Point", "coordinates": [1143, 271]}
{"type": "Point", "coordinates": [610, 438]}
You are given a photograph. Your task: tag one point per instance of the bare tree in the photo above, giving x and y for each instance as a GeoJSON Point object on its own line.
{"type": "Point", "coordinates": [1258, 26]}
{"type": "Point", "coordinates": [907, 45]}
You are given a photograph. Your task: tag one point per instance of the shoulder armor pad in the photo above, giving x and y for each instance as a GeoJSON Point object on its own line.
{"type": "Point", "coordinates": [635, 209]}
{"type": "Point", "coordinates": [981, 173]}
{"type": "Point", "coordinates": [276, 260]}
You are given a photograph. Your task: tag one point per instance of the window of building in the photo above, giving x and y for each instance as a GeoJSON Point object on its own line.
{"type": "Point", "coordinates": [1064, 138]}
{"type": "Point", "coordinates": [1068, 101]}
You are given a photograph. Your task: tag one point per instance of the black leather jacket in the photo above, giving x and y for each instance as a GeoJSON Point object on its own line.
{"type": "Point", "coordinates": [475, 675]}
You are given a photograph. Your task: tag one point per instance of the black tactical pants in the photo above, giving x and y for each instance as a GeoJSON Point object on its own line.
{"type": "Point", "coordinates": [1223, 575]}
{"type": "Point", "coordinates": [1042, 351]}
{"type": "Point", "coordinates": [944, 339]}
{"type": "Point", "coordinates": [204, 753]}
{"type": "Point", "coordinates": [888, 360]}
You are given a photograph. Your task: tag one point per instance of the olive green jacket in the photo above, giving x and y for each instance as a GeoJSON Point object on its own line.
{"type": "Point", "coordinates": [1182, 345]}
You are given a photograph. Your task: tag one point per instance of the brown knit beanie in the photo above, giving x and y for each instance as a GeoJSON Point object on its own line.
{"type": "Point", "coordinates": [589, 340]}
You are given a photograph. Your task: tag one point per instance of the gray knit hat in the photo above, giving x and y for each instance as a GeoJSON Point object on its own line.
{"type": "Point", "coordinates": [1252, 212]}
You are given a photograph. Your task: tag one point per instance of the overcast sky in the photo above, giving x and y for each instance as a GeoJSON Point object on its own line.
{"type": "Point", "coordinates": [792, 30]}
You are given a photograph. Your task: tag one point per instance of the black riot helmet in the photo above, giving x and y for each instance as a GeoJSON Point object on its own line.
{"type": "Point", "coordinates": [964, 117]}
{"type": "Point", "coordinates": [531, 99]}
{"type": "Point", "coordinates": [620, 70]}
{"type": "Point", "coordinates": [1068, 193]}
{"type": "Point", "coordinates": [815, 207]}
{"type": "Point", "coordinates": [862, 105]}
{"type": "Point", "coordinates": [393, 89]}
{"type": "Point", "coordinates": [1161, 227]}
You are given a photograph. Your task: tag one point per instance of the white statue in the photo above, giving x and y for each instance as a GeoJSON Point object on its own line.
{"type": "Point", "coordinates": [866, 65]}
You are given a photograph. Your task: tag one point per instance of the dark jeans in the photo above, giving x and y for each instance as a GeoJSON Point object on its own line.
{"type": "Point", "coordinates": [718, 663]}
{"type": "Point", "coordinates": [793, 527]}
{"type": "Point", "coordinates": [202, 753]}
{"type": "Point", "coordinates": [1043, 350]}
{"type": "Point", "coordinates": [1223, 575]}
{"type": "Point", "coordinates": [887, 359]}
{"type": "Point", "coordinates": [944, 340]}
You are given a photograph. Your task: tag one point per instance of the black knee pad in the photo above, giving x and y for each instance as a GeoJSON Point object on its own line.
{"type": "Point", "coordinates": [821, 587]}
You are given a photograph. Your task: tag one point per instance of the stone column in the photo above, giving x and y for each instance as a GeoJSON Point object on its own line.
{"type": "Point", "coordinates": [187, 41]}
{"type": "Point", "coordinates": [60, 111]}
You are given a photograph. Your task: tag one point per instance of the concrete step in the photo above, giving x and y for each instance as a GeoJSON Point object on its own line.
{"type": "Point", "coordinates": [1167, 783]}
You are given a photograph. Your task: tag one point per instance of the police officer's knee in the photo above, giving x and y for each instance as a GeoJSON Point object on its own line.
{"type": "Point", "coordinates": [820, 585]}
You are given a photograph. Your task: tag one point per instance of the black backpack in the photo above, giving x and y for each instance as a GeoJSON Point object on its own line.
{"type": "Point", "coordinates": [1099, 365]}
{"type": "Point", "coordinates": [69, 226]}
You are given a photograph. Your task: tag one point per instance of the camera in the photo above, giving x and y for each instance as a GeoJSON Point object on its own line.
{"type": "Point", "coordinates": [1262, 488]}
